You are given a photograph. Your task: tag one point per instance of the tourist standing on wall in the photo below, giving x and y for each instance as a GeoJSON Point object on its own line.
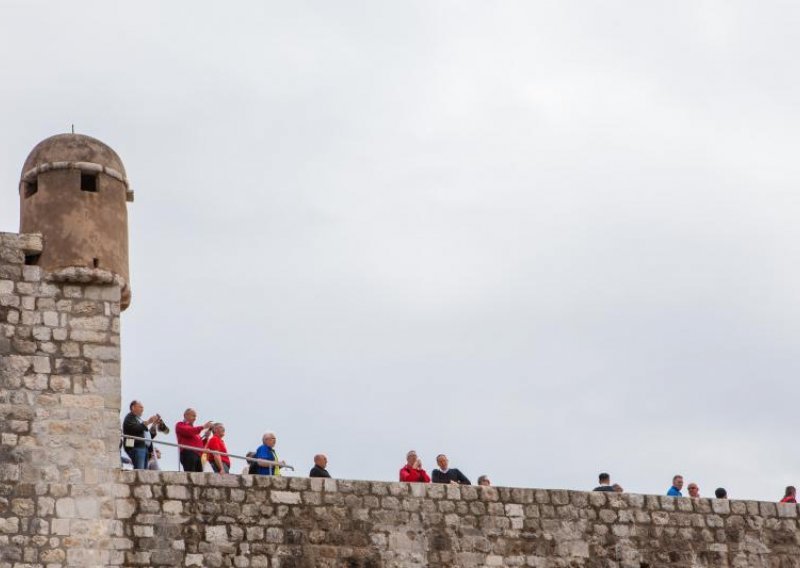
{"type": "Point", "coordinates": [189, 435]}
{"type": "Point", "coordinates": [134, 425]}
{"type": "Point", "coordinates": [605, 483]}
{"type": "Point", "coordinates": [320, 463]}
{"type": "Point", "coordinates": [252, 466]}
{"type": "Point", "coordinates": [484, 481]}
{"type": "Point", "coordinates": [790, 495]}
{"type": "Point", "coordinates": [446, 474]}
{"type": "Point", "coordinates": [155, 457]}
{"type": "Point", "coordinates": [694, 491]}
{"type": "Point", "coordinates": [412, 471]}
{"type": "Point", "coordinates": [266, 451]}
{"type": "Point", "coordinates": [220, 464]}
{"type": "Point", "coordinates": [677, 485]}
{"type": "Point", "coordinates": [720, 493]}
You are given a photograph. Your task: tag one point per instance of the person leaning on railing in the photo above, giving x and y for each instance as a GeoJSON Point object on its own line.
{"type": "Point", "coordinates": [266, 451]}
{"type": "Point", "coordinates": [189, 435]}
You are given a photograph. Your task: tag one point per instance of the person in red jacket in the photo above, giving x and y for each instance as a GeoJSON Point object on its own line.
{"type": "Point", "coordinates": [219, 463]}
{"type": "Point", "coordinates": [413, 471]}
{"type": "Point", "coordinates": [790, 495]}
{"type": "Point", "coordinates": [189, 435]}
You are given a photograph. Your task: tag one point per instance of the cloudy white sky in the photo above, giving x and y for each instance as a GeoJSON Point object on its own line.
{"type": "Point", "coordinates": [548, 239]}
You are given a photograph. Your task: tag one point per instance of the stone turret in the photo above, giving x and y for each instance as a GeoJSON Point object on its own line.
{"type": "Point", "coordinates": [74, 191]}
{"type": "Point", "coordinates": [62, 284]}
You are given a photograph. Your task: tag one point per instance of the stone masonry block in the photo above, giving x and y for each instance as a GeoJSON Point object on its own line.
{"type": "Point", "coordinates": [101, 352]}
{"type": "Point", "coordinates": [178, 492]}
{"type": "Point", "coordinates": [216, 533]}
{"type": "Point", "coordinates": [41, 364]}
{"type": "Point", "coordinates": [92, 323]}
{"type": "Point", "coordinates": [287, 497]}
{"type": "Point", "coordinates": [720, 506]}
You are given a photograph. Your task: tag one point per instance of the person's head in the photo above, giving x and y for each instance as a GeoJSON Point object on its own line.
{"type": "Point", "coordinates": [190, 415]}
{"type": "Point", "coordinates": [442, 461]}
{"type": "Point", "coordinates": [321, 460]}
{"type": "Point", "coordinates": [484, 481]}
{"type": "Point", "coordinates": [218, 429]}
{"type": "Point", "coordinates": [269, 439]}
{"type": "Point", "coordinates": [694, 490]}
{"type": "Point", "coordinates": [790, 491]}
{"type": "Point", "coordinates": [677, 482]}
{"type": "Point", "coordinates": [136, 407]}
{"type": "Point", "coordinates": [720, 493]}
{"type": "Point", "coordinates": [617, 488]}
{"type": "Point", "coordinates": [411, 458]}
{"type": "Point", "coordinates": [604, 478]}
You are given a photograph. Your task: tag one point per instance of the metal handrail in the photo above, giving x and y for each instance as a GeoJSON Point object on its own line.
{"type": "Point", "coordinates": [259, 461]}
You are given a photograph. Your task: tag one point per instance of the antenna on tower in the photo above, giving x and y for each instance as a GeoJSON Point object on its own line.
{"type": "Point", "coordinates": [73, 129]}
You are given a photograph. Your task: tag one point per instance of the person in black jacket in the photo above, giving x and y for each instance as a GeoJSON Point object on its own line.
{"type": "Point", "coordinates": [320, 463]}
{"type": "Point", "coordinates": [133, 425]}
{"type": "Point", "coordinates": [605, 483]}
{"type": "Point", "coordinates": [446, 474]}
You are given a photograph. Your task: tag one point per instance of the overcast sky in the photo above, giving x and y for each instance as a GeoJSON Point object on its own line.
{"type": "Point", "coordinates": [546, 238]}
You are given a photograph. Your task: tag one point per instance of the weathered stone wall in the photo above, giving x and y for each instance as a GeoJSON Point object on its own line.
{"type": "Point", "coordinates": [59, 412]}
{"type": "Point", "coordinates": [178, 519]}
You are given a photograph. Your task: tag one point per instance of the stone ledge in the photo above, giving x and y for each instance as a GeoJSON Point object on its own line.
{"type": "Point", "coordinates": [471, 493]}
{"type": "Point", "coordinates": [82, 166]}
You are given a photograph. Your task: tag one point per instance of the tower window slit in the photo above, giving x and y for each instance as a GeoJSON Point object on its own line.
{"type": "Point", "coordinates": [30, 187]}
{"type": "Point", "coordinates": [89, 182]}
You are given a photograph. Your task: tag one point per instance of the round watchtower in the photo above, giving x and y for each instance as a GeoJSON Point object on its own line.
{"type": "Point", "coordinates": [74, 191]}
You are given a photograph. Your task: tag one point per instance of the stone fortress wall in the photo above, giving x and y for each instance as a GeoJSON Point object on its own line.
{"type": "Point", "coordinates": [178, 519]}
{"type": "Point", "coordinates": [59, 411]}
{"type": "Point", "coordinates": [64, 501]}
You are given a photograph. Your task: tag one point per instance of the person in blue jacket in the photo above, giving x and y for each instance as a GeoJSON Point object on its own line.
{"type": "Point", "coordinates": [677, 485]}
{"type": "Point", "coordinates": [266, 451]}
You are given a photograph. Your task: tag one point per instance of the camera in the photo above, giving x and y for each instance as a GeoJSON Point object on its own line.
{"type": "Point", "coordinates": [162, 427]}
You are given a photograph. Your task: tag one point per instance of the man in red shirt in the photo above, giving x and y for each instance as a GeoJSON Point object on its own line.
{"type": "Point", "coordinates": [220, 464]}
{"type": "Point", "coordinates": [790, 495]}
{"type": "Point", "coordinates": [413, 471]}
{"type": "Point", "coordinates": [189, 435]}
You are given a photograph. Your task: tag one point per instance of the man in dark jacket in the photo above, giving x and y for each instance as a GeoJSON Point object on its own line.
{"type": "Point", "coordinates": [320, 463]}
{"type": "Point", "coordinates": [605, 483]}
{"type": "Point", "coordinates": [446, 474]}
{"type": "Point", "coordinates": [133, 425]}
